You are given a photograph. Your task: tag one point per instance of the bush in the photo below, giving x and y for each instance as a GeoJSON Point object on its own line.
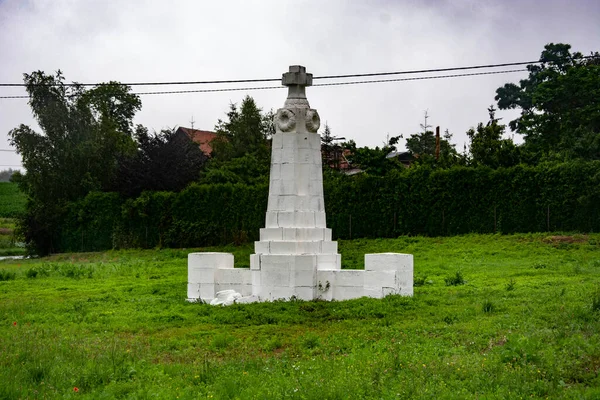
{"type": "Point", "coordinates": [417, 201]}
{"type": "Point", "coordinates": [7, 275]}
{"type": "Point", "coordinates": [455, 280]}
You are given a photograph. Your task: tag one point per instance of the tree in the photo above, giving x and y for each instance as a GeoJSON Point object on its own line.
{"type": "Point", "coordinates": [373, 161]}
{"type": "Point", "coordinates": [84, 133]}
{"type": "Point", "coordinates": [422, 146]}
{"type": "Point", "coordinates": [331, 152]}
{"type": "Point", "coordinates": [165, 161]}
{"type": "Point", "coordinates": [241, 150]}
{"type": "Point", "coordinates": [559, 103]}
{"type": "Point", "coordinates": [6, 175]}
{"type": "Point", "coordinates": [245, 131]}
{"type": "Point", "coordinates": [487, 146]}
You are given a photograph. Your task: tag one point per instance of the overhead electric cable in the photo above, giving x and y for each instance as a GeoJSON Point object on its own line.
{"type": "Point", "coordinates": [228, 81]}
{"type": "Point", "coordinates": [318, 84]}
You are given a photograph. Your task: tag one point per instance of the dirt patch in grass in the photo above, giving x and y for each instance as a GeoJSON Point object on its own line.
{"type": "Point", "coordinates": [6, 231]}
{"type": "Point", "coordinates": [565, 239]}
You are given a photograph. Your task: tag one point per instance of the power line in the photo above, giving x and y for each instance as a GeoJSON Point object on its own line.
{"type": "Point", "coordinates": [8, 150]}
{"type": "Point", "coordinates": [419, 78]}
{"type": "Point", "coordinates": [319, 84]}
{"type": "Point", "coordinates": [228, 81]}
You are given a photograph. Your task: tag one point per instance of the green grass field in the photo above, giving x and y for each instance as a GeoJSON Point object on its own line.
{"type": "Point", "coordinates": [493, 317]}
{"type": "Point", "coordinates": [12, 201]}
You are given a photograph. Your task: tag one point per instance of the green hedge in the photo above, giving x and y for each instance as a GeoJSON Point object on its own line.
{"type": "Point", "coordinates": [417, 201]}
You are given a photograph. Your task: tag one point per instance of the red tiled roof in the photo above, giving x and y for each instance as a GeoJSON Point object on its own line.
{"type": "Point", "coordinates": [203, 138]}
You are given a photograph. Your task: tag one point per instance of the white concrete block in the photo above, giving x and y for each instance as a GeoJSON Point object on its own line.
{"type": "Point", "coordinates": [303, 141]}
{"type": "Point", "coordinates": [256, 280]}
{"type": "Point", "coordinates": [277, 141]}
{"type": "Point", "coordinates": [304, 263]}
{"type": "Point", "coordinates": [347, 292]}
{"type": "Point", "coordinates": [350, 278]}
{"type": "Point", "coordinates": [380, 279]}
{"type": "Point", "coordinates": [286, 219]}
{"type": "Point", "coordinates": [388, 261]}
{"type": "Point", "coordinates": [290, 140]}
{"type": "Point", "coordinates": [275, 171]}
{"type": "Point", "coordinates": [305, 156]}
{"type": "Point", "coordinates": [207, 292]}
{"type": "Point", "coordinates": [305, 293]}
{"type": "Point", "coordinates": [374, 292]}
{"type": "Point", "coordinates": [276, 156]}
{"type": "Point", "coordinates": [255, 261]}
{"type": "Point", "coordinates": [329, 261]}
{"type": "Point", "coordinates": [314, 141]}
{"type": "Point", "coordinates": [326, 233]}
{"type": "Point", "coordinates": [320, 219]}
{"type": "Point", "coordinates": [288, 155]}
{"type": "Point", "coordinates": [193, 290]}
{"type": "Point", "coordinates": [304, 278]}
{"type": "Point", "coordinates": [288, 186]}
{"type": "Point", "coordinates": [270, 261]}
{"type": "Point", "coordinates": [316, 203]}
{"type": "Point", "coordinates": [386, 291]}
{"type": "Point", "coordinates": [261, 247]}
{"type": "Point", "coordinates": [236, 276]}
{"type": "Point", "coordinates": [324, 276]}
{"type": "Point", "coordinates": [210, 260]}
{"type": "Point", "coordinates": [302, 203]}
{"type": "Point", "coordinates": [276, 278]}
{"type": "Point", "coordinates": [308, 247]}
{"type": "Point", "coordinates": [304, 219]}
{"type": "Point", "coordinates": [286, 203]}
{"type": "Point", "coordinates": [267, 234]}
{"type": "Point", "coordinates": [272, 219]}
{"type": "Point", "coordinates": [328, 247]}
{"type": "Point", "coordinates": [282, 247]}
{"type": "Point", "coordinates": [288, 171]}
{"type": "Point", "coordinates": [201, 275]}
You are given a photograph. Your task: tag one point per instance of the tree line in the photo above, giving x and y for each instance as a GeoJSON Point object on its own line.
{"type": "Point", "coordinates": [89, 143]}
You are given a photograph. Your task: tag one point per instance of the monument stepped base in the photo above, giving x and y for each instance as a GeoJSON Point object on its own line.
{"type": "Point", "coordinates": [302, 276]}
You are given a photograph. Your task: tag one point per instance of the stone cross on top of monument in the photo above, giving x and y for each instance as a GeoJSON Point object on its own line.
{"type": "Point", "coordinates": [296, 80]}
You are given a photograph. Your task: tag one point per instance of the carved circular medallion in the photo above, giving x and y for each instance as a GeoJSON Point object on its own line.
{"type": "Point", "coordinates": [312, 121]}
{"type": "Point", "coordinates": [286, 120]}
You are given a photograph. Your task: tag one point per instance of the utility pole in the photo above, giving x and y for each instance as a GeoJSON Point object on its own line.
{"type": "Point", "coordinates": [192, 122]}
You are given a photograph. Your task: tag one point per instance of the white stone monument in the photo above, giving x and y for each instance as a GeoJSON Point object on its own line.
{"type": "Point", "coordinates": [295, 256]}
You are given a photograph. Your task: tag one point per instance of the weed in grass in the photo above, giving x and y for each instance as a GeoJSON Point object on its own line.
{"type": "Point", "coordinates": [7, 275]}
{"type": "Point", "coordinates": [510, 285]}
{"type": "Point", "coordinates": [539, 265]}
{"type": "Point", "coordinates": [221, 342]}
{"type": "Point", "coordinates": [596, 300]}
{"type": "Point", "coordinates": [420, 280]}
{"type": "Point", "coordinates": [455, 280]}
{"type": "Point", "coordinates": [450, 319]}
{"type": "Point", "coordinates": [31, 273]}
{"type": "Point", "coordinates": [273, 344]}
{"type": "Point", "coordinates": [311, 341]}
{"type": "Point", "coordinates": [488, 307]}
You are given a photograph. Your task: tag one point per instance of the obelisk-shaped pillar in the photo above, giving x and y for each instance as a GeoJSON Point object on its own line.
{"type": "Point", "coordinates": [295, 234]}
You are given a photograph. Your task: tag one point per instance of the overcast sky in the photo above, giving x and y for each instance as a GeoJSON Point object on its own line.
{"type": "Point", "coordinates": [133, 41]}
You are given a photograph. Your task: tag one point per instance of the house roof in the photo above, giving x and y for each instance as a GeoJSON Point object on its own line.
{"type": "Point", "coordinates": [203, 138]}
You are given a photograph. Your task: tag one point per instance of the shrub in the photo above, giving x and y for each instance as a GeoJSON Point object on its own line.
{"type": "Point", "coordinates": [510, 285]}
{"type": "Point", "coordinates": [7, 275]}
{"type": "Point", "coordinates": [455, 280]}
{"type": "Point", "coordinates": [488, 306]}
{"type": "Point", "coordinates": [596, 300]}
